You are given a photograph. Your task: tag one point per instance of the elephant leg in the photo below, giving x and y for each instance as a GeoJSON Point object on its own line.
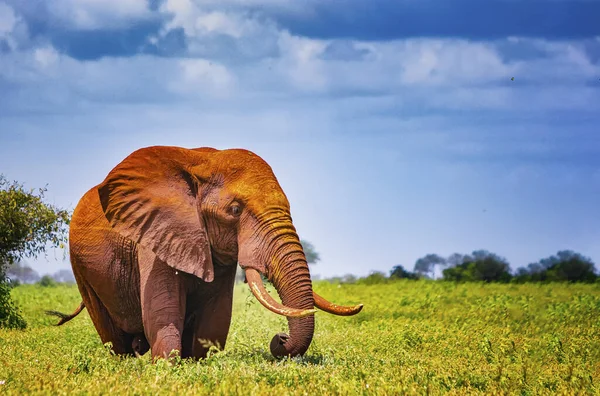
{"type": "Point", "coordinates": [108, 331]}
{"type": "Point", "coordinates": [163, 304]}
{"type": "Point", "coordinates": [210, 324]}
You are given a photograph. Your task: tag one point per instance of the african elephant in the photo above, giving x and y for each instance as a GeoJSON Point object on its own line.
{"type": "Point", "coordinates": [154, 249]}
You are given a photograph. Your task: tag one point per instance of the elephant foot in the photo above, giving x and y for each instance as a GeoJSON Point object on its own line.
{"type": "Point", "coordinates": [140, 344]}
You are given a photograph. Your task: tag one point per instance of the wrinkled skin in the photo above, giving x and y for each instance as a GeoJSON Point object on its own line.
{"type": "Point", "coordinates": [154, 249]}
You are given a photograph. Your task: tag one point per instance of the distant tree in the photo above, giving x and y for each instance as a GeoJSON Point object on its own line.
{"type": "Point", "coordinates": [458, 273]}
{"type": "Point", "coordinates": [566, 265]}
{"type": "Point", "coordinates": [522, 275]}
{"type": "Point", "coordinates": [536, 268]}
{"type": "Point", "coordinates": [426, 265]}
{"type": "Point", "coordinates": [27, 227]}
{"type": "Point", "coordinates": [47, 281]}
{"type": "Point", "coordinates": [309, 251]}
{"type": "Point", "coordinates": [534, 272]}
{"type": "Point", "coordinates": [64, 276]}
{"type": "Point", "coordinates": [20, 271]}
{"type": "Point", "coordinates": [480, 266]}
{"type": "Point", "coordinates": [456, 259]}
{"type": "Point", "coordinates": [398, 272]}
{"type": "Point", "coordinates": [490, 267]}
{"type": "Point", "coordinates": [570, 266]}
{"type": "Point", "coordinates": [348, 278]}
{"type": "Point", "coordinates": [334, 279]}
{"type": "Point", "coordinates": [375, 277]}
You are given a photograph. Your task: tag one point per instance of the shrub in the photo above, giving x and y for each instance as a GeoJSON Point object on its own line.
{"type": "Point", "coordinates": [10, 315]}
{"type": "Point", "coordinates": [481, 266]}
{"type": "Point", "coordinates": [47, 281]}
{"type": "Point", "coordinates": [27, 225]}
{"type": "Point", "coordinates": [398, 272]}
{"type": "Point", "coordinates": [374, 278]}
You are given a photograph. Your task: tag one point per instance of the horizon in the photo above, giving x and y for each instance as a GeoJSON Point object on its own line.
{"type": "Point", "coordinates": [395, 129]}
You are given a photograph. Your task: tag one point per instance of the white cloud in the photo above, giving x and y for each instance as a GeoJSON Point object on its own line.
{"type": "Point", "coordinates": [219, 22]}
{"type": "Point", "coordinates": [249, 3]}
{"type": "Point", "coordinates": [301, 64]}
{"type": "Point", "coordinates": [183, 14]}
{"type": "Point", "coordinates": [100, 14]}
{"type": "Point", "coordinates": [416, 73]}
{"type": "Point", "coordinates": [305, 7]}
{"type": "Point", "coordinates": [435, 62]}
{"type": "Point", "coordinates": [226, 34]}
{"type": "Point", "coordinates": [47, 78]}
{"type": "Point", "coordinates": [198, 21]}
{"type": "Point", "coordinates": [199, 76]}
{"type": "Point", "coordinates": [13, 29]}
{"type": "Point", "coordinates": [397, 65]}
{"type": "Point", "coordinates": [8, 19]}
{"type": "Point", "coordinates": [46, 56]}
{"type": "Point", "coordinates": [444, 72]}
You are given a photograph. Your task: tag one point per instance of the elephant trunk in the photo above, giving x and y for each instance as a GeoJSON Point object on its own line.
{"type": "Point", "coordinates": [270, 245]}
{"type": "Point", "coordinates": [291, 278]}
{"type": "Point", "coordinates": [286, 268]}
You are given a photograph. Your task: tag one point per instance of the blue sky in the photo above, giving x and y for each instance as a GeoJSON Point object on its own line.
{"type": "Point", "coordinates": [394, 127]}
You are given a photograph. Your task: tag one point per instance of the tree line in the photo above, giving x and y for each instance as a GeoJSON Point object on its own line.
{"type": "Point", "coordinates": [19, 272]}
{"type": "Point", "coordinates": [484, 266]}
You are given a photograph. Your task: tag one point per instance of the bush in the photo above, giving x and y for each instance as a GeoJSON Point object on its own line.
{"type": "Point", "coordinates": [566, 265]}
{"type": "Point", "coordinates": [374, 278]}
{"type": "Point", "coordinates": [27, 227]}
{"type": "Point", "coordinates": [10, 315]}
{"type": "Point", "coordinates": [47, 281]}
{"type": "Point", "coordinates": [481, 266]}
{"type": "Point", "coordinates": [398, 272]}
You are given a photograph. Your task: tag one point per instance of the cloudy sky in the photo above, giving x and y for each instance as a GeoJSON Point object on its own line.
{"type": "Point", "coordinates": [394, 127]}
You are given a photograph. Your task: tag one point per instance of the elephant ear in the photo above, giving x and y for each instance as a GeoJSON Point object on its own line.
{"type": "Point", "coordinates": [151, 199]}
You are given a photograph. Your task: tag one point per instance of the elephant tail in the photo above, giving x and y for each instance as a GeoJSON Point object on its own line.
{"type": "Point", "coordinates": [64, 318]}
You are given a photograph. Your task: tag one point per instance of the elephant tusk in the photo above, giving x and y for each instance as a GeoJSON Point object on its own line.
{"type": "Point", "coordinates": [258, 289]}
{"type": "Point", "coordinates": [335, 309]}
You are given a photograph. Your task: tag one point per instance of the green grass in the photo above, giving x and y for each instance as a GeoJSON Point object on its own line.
{"type": "Point", "coordinates": [411, 338]}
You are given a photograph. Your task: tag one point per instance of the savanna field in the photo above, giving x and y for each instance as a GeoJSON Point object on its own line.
{"type": "Point", "coordinates": [412, 337]}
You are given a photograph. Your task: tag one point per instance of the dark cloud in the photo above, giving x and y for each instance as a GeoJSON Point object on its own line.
{"type": "Point", "coordinates": [173, 43]}
{"type": "Point", "coordinates": [531, 49]}
{"type": "Point", "coordinates": [349, 19]}
{"type": "Point", "coordinates": [154, 5]}
{"type": "Point", "coordinates": [4, 47]}
{"type": "Point", "coordinates": [592, 50]}
{"type": "Point", "coordinates": [473, 19]}
{"type": "Point", "coordinates": [522, 50]}
{"type": "Point", "coordinates": [89, 44]}
{"type": "Point", "coordinates": [94, 44]}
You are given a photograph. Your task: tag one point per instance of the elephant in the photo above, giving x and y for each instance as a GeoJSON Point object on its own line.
{"type": "Point", "coordinates": [155, 246]}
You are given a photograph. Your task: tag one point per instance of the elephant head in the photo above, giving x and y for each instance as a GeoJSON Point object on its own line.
{"type": "Point", "coordinates": [203, 208]}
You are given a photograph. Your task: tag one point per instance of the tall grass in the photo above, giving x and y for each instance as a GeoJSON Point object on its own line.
{"type": "Point", "coordinates": [412, 337]}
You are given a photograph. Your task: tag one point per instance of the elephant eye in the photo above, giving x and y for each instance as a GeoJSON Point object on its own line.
{"type": "Point", "coordinates": [235, 209]}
